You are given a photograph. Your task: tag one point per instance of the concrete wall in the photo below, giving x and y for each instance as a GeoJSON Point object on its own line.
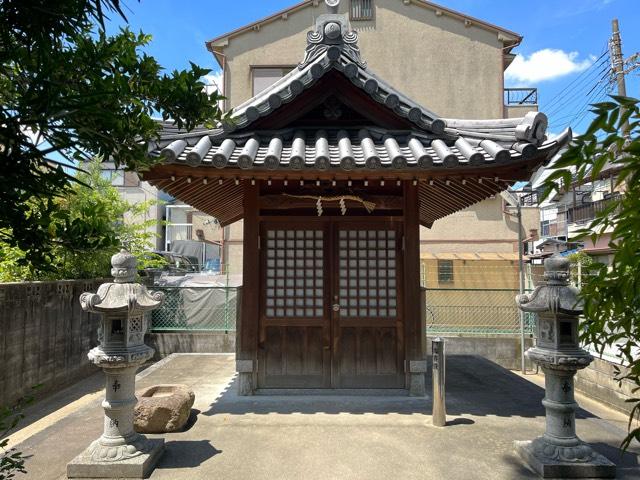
{"type": "Point", "coordinates": [166, 343]}
{"type": "Point", "coordinates": [473, 274]}
{"type": "Point", "coordinates": [233, 247]}
{"type": "Point", "coordinates": [517, 111]}
{"type": "Point", "coordinates": [45, 336]}
{"type": "Point", "coordinates": [452, 68]}
{"type": "Point", "coordinates": [598, 382]}
{"type": "Point", "coordinates": [503, 350]}
{"type": "Point", "coordinates": [483, 227]}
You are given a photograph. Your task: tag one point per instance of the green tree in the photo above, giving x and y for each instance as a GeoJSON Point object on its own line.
{"type": "Point", "coordinates": [88, 226]}
{"type": "Point", "coordinates": [69, 91]}
{"type": "Point", "coordinates": [580, 263]}
{"type": "Point", "coordinates": [612, 292]}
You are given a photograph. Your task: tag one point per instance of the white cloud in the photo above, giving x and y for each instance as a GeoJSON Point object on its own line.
{"type": "Point", "coordinates": [545, 64]}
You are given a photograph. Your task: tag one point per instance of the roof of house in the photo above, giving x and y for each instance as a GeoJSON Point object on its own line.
{"type": "Point", "coordinates": [510, 37]}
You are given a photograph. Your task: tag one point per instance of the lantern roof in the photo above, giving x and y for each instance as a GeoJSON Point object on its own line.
{"type": "Point", "coordinates": [122, 295]}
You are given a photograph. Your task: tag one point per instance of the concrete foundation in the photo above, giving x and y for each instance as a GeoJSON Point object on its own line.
{"type": "Point", "coordinates": [502, 350]}
{"type": "Point", "coordinates": [166, 343]}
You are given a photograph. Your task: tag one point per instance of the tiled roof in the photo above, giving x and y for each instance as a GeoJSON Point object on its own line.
{"type": "Point", "coordinates": [350, 149]}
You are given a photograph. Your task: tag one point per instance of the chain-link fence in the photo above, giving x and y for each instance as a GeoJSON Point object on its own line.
{"type": "Point", "coordinates": [197, 308]}
{"type": "Point", "coordinates": [457, 311]}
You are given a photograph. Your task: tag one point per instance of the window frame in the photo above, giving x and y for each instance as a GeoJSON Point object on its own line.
{"type": "Point", "coordinates": [445, 277]}
{"type": "Point", "coordinates": [285, 69]}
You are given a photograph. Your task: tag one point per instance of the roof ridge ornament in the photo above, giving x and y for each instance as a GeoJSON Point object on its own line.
{"type": "Point", "coordinates": [332, 35]}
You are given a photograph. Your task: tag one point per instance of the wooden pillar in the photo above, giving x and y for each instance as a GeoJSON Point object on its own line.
{"type": "Point", "coordinates": [247, 330]}
{"type": "Point", "coordinates": [415, 329]}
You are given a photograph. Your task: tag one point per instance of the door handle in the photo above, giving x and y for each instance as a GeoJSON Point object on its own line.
{"type": "Point", "coordinates": [336, 307]}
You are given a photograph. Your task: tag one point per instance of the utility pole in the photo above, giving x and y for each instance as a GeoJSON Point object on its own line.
{"type": "Point", "coordinates": [617, 60]}
{"type": "Point", "coordinates": [621, 67]}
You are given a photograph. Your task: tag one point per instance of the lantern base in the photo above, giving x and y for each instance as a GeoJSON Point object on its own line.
{"type": "Point", "coordinates": [139, 465]}
{"type": "Point", "coordinates": [554, 461]}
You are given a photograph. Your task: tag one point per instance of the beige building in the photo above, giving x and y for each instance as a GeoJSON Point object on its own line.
{"type": "Point", "coordinates": [449, 62]}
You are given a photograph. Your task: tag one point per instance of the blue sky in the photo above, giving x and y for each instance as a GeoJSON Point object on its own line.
{"type": "Point", "coordinates": [562, 40]}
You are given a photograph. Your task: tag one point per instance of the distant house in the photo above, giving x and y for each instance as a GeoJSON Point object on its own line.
{"type": "Point", "coordinates": [135, 191]}
{"type": "Point", "coordinates": [564, 215]}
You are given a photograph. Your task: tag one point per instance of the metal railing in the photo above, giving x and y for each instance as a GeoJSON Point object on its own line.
{"type": "Point", "coordinates": [586, 212]}
{"type": "Point", "coordinates": [520, 96]}
{"type": "Point", "coordinates": [456, 311]}
{"type": "Point", "coordinates": [197, 309]}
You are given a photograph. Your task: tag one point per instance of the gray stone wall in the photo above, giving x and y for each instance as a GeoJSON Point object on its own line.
{"type": "Point", "coordinates": [44, 336]}
{"type": "Point", "coordinates": [597, 381]}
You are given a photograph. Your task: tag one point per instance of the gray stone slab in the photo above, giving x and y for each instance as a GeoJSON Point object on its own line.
{"type": "Point", "coordinates": [555, 469]}
{"type": "Point", "coordinates": [138, 467]}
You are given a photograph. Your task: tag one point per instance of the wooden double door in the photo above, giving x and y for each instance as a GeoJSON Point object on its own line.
{"type": "Point", "coordinates": [330, 306]}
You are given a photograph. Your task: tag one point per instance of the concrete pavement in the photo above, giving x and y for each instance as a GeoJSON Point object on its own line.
{"type": "Point", "coordinates": [329, 436]}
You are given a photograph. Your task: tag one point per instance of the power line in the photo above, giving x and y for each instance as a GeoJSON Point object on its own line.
{"type": "Point", "coordinates": [559, 94]}
{"type": "Point", "coordinates": [579, 89]}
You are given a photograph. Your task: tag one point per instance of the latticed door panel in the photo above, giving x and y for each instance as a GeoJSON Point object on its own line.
{"type": "Point", "coordinates": [294, 273]}
{"type": "Point", "coordinates": [295, 328]}
{"type": "Point", "coordinates": [367, 329]}
{"type": "Point", "coordinates": [367, 272]}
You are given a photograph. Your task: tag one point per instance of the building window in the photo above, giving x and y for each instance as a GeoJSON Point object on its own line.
{"type": "Point", "coordinates": [361, 10]}
{"type": "Point", "coordinates": [264, 77]}
{"type": "Point", "coordinates": [116, 177]}
{"type": "Point", "coordinates": [445, 271]}
{"type": "Point", "coordinates": [119, 178]}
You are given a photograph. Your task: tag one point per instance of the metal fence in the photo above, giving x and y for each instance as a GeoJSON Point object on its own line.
{"type": "Point", "coordinates": [197, 309]}
{"type": "Point", "coordinates": [451, 311]}
{"type": "Point", "coordinates": [457, 311]}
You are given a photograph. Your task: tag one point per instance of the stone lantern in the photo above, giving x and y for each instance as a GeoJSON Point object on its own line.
{"type": "Point", "coordinates": [120, 451]}
{"type": "Point", "coordinates": [559, 453]}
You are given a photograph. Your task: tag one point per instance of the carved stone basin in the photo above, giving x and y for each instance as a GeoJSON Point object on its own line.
{"type": "Point", "coordinates": [163, 408]}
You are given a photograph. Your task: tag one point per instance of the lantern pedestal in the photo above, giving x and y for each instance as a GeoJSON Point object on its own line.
{"type": "Point", "coordinates": [120, 452]}
{"type": "Point", "coordinates": [559, 453]}
{"type": "Point", "coordinates": [138, 466]}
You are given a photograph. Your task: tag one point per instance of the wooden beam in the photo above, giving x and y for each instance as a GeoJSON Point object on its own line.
{"type": "Point", "coordinates": [415, 335]}
{"type": "Point", "coordinates": [247, 332]}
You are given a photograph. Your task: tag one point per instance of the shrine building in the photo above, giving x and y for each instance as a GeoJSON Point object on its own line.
{"type": "Point", "coordinates": [333, 171]}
